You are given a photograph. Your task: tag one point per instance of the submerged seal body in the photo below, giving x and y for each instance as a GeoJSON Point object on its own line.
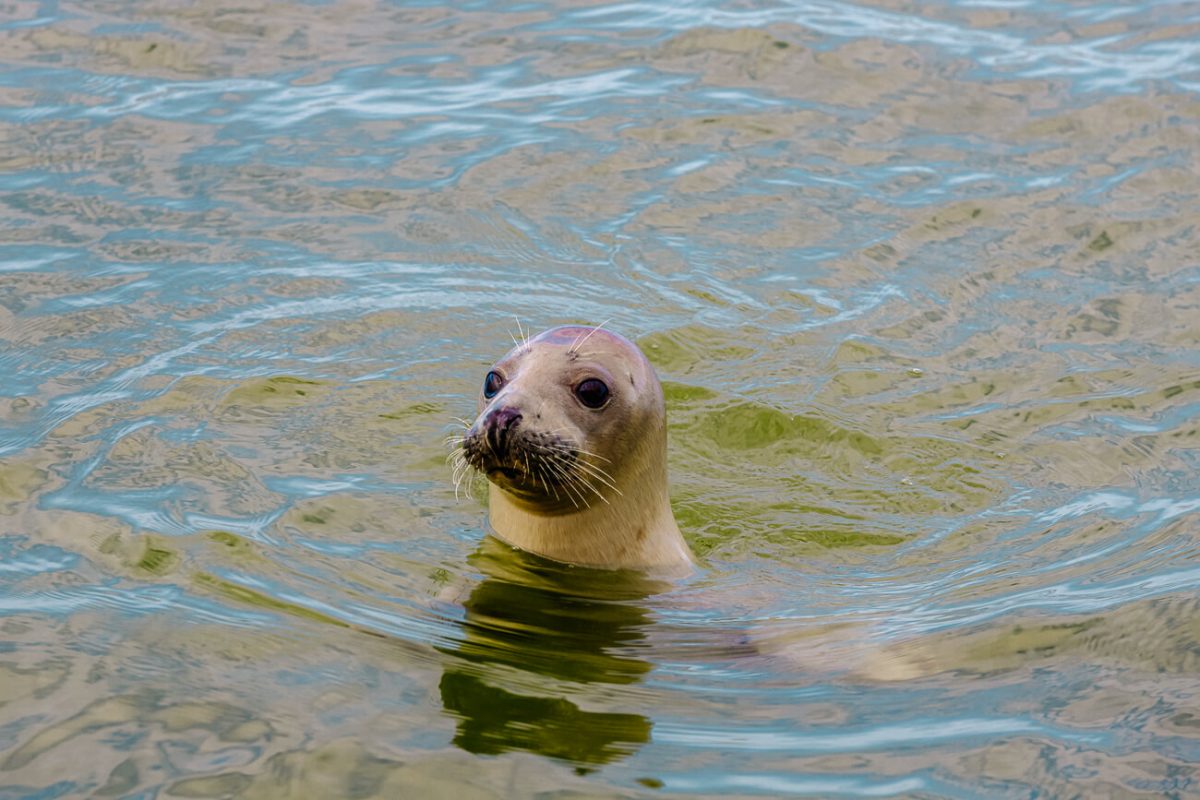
{"type": "Point", "coordinates": [571, 435]}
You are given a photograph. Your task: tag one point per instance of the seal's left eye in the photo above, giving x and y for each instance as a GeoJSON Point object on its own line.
{"type": "Point", "coordinates": [592, 392]}
{"type": "Point", "coordinates": [492, 384]}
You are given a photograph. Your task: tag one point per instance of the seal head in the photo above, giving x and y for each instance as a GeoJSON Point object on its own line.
{"type": "Point", "coordinates": [571, 434]}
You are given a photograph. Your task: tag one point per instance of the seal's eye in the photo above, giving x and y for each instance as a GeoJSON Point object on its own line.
{"type": "Point", "coordinates": [593, 392]}
{"type": "Point", "coordinates": [492, 384]}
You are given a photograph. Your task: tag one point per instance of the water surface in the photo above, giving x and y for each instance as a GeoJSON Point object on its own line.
{"type": "Point", "coordinates": [922, 284]}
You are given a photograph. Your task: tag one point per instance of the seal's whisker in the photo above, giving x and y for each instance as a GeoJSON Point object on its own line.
{"type": "Point", "coordinates": [542, 477]}
{"type": "Point", "coordinates": [553, 432]}
{"type": "Point", "coordinates": [459, 472]}
{"type": "Point", "coordinates": [590, 454]}
{"type": "Point", "coordinates": [597, 470]}
{"type": "Point", "coordinates": [545, 469]}
{"type": "Point", "coordinates": [464, 422]}
{"type": "Point", "coordinates": [463, 476]}
{"type": "Point", "coordinates": [575, 345]}
{"type": "Point", "coordinates": [524, 345]}
{"type": "Point", "coordinates": [554, 472]}
{"type": "Point", "coordinates": [567, 483]}
{"type": "Point", "coordinates": [588, 485]}
{"type": "Point", "coordinates": [579, 482]}
{"type": "Point", "coordinates": [566, 456]}
{"type": "Point", "coordinates": [572, 449]}
{"type": "Point", "coordinates": [578, 479]}
{"type": "Point", "coordinates": [601, 476]}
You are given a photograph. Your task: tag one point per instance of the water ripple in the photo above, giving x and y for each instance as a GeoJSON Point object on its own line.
{"type": "Point", "coordinates": [920, 285]}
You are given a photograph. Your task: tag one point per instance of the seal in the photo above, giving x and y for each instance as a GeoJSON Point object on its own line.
{"type": "Point", "coordinates": [571, 434]}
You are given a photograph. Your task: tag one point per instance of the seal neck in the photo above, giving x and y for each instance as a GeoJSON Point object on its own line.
{"type": "Point", "coordinates": [639, 532]}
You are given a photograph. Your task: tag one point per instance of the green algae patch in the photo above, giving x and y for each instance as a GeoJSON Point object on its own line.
{"type": "Point", "coordinates": [1101, 242]}
{"type": "Point", "coordinates": [705, 526]}
{"type": "Point", "coordinates": [415, 410]}
{"type": "Point", "coordinates": [838, 539]}
{"type": "Point", "coordinates": [226, 538]}
{"type": "Point", "coordinates": [857, 351]}
{"type": "Point", "coordinates": [710, 526]}
{"type": "Point", "coordinates": [683, 349]}
{"type": "Point", "coordinates": [1178, 389]}
{"type": "Point", "coordinates": [231, 547]}
{"type": "Point", "coordinates": [191, 394]}
{"type": "Point", "coordinates": [147, 555]}
{"type": "Point", "coordinates": [748, 426]}
{"type": "Point", "coordinates": [281, 391]}
{"type": "Point", "coordinates": [228, 784]}
{"type": "Point", "coordinates": [1040, 639]}
{"type": "Point", "coordinates": [861, 383]}
{"type": "Point", "coordinates": [246, 596]}
{"type": "Point", "coordinates": [342, 512]}
{"type": "Point", "coordinates": [18, 482]}
{"type": "Point", "coordinates": [157, 560]}
{"type": "Point", "coordinates": [950, 222]}
{"type": "Point", "coordinates": [822, 481]}
{"type": "Point", "coordinates": [682, 393]}
{"type": "Point", "coordinates": [751, 426]}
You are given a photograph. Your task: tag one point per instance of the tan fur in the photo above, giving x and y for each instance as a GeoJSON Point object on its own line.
{"type": "Point", "coordinates": [626, 525]}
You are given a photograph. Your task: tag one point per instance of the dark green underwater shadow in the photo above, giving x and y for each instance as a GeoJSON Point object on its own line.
{"type": "Point", "coordinates": [536, 634]}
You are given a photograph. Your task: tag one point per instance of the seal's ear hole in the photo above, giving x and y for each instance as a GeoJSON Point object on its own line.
{"type": "Point", "coordinates": [492, 383]}
{"type": "Point", "coordinates": [592, 392]}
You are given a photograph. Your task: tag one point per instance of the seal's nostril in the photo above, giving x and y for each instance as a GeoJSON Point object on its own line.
{"type": "Point", "coordinates": [503, 418]}
{"type": "Point", "coordinates": [499, 423]}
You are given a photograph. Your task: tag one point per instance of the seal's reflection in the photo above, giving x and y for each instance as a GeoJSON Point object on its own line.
{"type": "Point", "coordinates": [536, 635]}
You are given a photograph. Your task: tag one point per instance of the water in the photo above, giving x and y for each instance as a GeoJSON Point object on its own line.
{"type": "Point", "coordinates": [921, 284]}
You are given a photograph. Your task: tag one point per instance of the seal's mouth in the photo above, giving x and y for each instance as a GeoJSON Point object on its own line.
{"type": "Point", "coordinates": [516, 459]}
{"type": "Point", "coordinates": [507, 473]}
{"type": "Point", "coordinates": [536, 466]}
{"type": "Point", "coordinates": [535, 484]}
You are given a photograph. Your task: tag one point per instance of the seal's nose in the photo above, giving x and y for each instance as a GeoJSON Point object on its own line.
{"type": "Point", "coordinates": [497, 425]}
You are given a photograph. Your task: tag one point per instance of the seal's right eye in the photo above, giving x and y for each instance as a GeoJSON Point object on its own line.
{"type": "Point", "coordinates": [492, 384]}
{"type": "Point", "coordinates": [593, 392]}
